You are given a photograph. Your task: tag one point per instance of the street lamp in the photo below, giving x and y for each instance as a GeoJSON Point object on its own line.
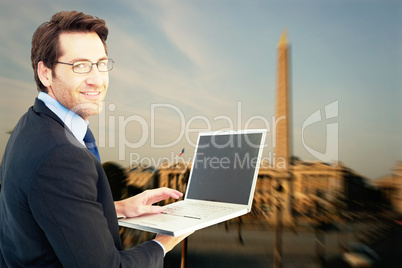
{"type": "Point", "coordinates": [278, 227]}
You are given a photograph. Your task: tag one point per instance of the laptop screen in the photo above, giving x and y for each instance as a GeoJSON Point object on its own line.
{"type": "Point", "coordinates": [224, 167]}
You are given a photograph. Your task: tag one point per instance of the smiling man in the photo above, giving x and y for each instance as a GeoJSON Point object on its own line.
{"type": "Point", "coordinates": [56, 207]}
{"type": "Point", "coordinates": [74, 82]}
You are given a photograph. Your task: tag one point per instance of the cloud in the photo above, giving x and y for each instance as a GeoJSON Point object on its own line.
{"type": "Point", "coordinates": [140, 72]}
{"type": "Point", "coordinates": [19, 96]}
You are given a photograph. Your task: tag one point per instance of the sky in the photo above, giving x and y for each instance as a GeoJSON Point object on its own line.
{"type": "Point", "coordinates": [197, 65]}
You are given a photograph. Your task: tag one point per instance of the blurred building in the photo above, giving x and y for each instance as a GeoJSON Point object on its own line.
{"type": "Point", "coordinates": [140, 179]}
{"type": "Point", "coordinates": [128, 182]}
{"type": "Point", "coordinates": [333, 188]}
{"type": "Point", "coordinates": [391, 186]}
{"type": "Point", "coordinates": [174, 175]}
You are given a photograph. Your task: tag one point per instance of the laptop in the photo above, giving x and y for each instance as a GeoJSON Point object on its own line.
{"type": "Point", "coordinates": [220, 187]}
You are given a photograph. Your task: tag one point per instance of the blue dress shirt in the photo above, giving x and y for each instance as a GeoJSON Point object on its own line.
{"type": "Point", "coordinates": [73, 121]}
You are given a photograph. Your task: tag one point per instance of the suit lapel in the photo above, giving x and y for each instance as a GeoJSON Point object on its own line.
{"type": "Point", "coordinates": [41, 108]}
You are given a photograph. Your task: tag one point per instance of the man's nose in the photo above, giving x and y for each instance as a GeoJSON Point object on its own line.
{"type": "Point", "coordinates": [95, 77]}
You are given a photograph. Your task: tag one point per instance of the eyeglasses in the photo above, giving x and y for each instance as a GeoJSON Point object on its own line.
{"type": "Point", "coordinates": [83, 66]}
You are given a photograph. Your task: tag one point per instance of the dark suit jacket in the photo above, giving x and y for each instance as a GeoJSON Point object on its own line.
{"type": "Point", "coordinates": [56, 208]}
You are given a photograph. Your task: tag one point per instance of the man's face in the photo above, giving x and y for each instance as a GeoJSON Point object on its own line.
{"type": "Point", "coordinates": [80, 93]}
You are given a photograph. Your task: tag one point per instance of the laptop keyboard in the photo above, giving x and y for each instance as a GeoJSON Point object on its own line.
{"type": "Point", "coordinates": [196, 211]}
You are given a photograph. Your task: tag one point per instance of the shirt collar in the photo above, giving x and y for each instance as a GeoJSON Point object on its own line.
{"type": "Point", "coordinates": [73, 121]}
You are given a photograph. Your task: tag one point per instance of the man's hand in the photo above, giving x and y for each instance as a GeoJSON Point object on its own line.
{"type": "Point", "coordinates": [142, 203]}
{"type": "Point", "coordinates": [169, 242]}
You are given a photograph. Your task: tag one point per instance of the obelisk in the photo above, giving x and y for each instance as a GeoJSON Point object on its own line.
{"type": "Point", "coordinates": [282, 146]}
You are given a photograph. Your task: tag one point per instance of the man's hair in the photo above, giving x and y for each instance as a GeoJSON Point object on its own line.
{"type": "Point", "coordinates": [45, 41]}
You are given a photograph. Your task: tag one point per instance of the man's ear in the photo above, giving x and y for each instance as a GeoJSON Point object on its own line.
{"type": "Point", "coordinates": [44, 74]}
